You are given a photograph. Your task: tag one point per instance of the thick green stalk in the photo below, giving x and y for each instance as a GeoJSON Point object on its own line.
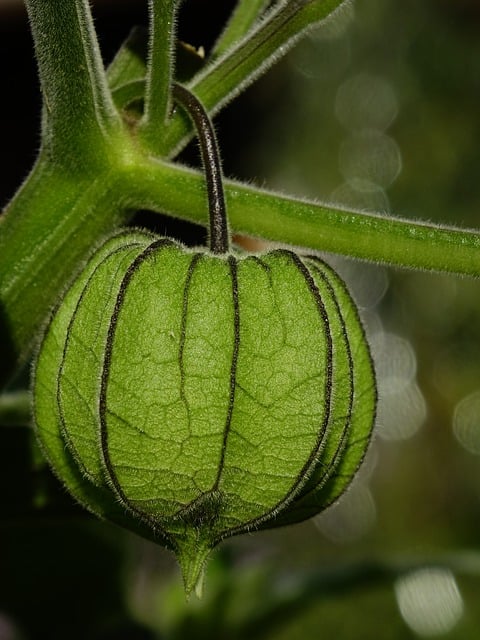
{"type": "Point", "coordinates": [159, 73]}
{"type": "Point", "coordinates": [70, 198]}
{"type": "Point", "coordinates": [256, 212]}
{"type": "Point", "coordinates": [241, 65]}
{"type": "Point", "coordinates": [243, 17]}
{"type": "Point", "coordinates": [78, 111]}
{"type": "Point", "coordinates": [48, 229]}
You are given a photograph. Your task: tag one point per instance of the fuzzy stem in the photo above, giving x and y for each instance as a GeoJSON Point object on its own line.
{"type": "Point", "coordinates": [318, 226]}
{"type": "Point", "coordinates": [46, 232]}
{"type": "Point", "coordinates": [159, 72]}
{"type": "Point", "coordinates": [243, 17]}
{"type": "Point", "coordinates": [78, 110]}
{"type": "Point", "coordinates": [218, 239]}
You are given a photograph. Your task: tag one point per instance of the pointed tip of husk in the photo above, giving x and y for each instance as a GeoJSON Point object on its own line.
{"type": "Point", "coordinates": [192, 557]}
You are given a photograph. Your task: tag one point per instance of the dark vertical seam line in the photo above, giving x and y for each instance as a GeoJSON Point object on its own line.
{"type": "Point", "coordinates": [183, 330]}
{"type": "Point", "coordinates": [232, 261]}
{"type": "Point", "coordinates": [329, 361]}
{"type": "Point", "coordinates": [64, 430]}
{"type": "Point", "coordinates": [355, 312]}
{"type": "Point", "coordinates": [302, 476]}
{"type": "Point", "coordinates": [159, 244]}
{"type": "Point", "coordinates": [260, 263]}
{"type": "Point", "coordinates": [348, 418]}
{"type": "Point", "coordinates": [354, 309]}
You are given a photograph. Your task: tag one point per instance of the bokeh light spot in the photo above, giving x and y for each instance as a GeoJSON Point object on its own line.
{"type": "Point", "coordinates": [466, 422]}
{"type": "Point", "coordinates": [395, 359]}
{"type": "Point", "coordinates": [367, 283]}
{"type": "Point", "coordinates": [429, 601]}
{"type": "Point", "coordinates": [370, 199]}
{"type": "Point", "coordinates": [8, 630]}
{"type": "Point", "coordinates": [370, 158]}
{"type": "Point", "coordinates": [350, 518]}
{"type": "Point", "coordinates": [401, 407]}
{"type": "Point", "coordinates": [400, 414]}
{"type": "Point", "coordinates": [319, 58]}
{"type": "Point", "coordinates": [366, 102]}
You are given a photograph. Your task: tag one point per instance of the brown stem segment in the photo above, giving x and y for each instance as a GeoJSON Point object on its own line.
{"type": "Point", "coordinates": [218, 238]}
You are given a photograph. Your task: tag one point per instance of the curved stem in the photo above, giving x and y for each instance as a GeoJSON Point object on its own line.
{"type": "Point", "coordinates": [218, 240]}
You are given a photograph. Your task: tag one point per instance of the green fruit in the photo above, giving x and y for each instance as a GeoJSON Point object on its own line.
{"type": "Point", "coordinates": [191, 396]}
{"type": "Point", "coordinates": [195, 395]}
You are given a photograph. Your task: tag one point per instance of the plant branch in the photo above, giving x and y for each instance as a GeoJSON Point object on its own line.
{"type": "Point", "coordinates": [242, 19]}
{"type": "Point", "coordinates": [78, 110]}
{"type": "Point", "coordinates": [46, 232]}
{"type": "Point", "coordinates": [241, 65]}
{"type": "Point", "coordinates": [159, 73]}
{"type": "Point", "coordinates": [397, 242]}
